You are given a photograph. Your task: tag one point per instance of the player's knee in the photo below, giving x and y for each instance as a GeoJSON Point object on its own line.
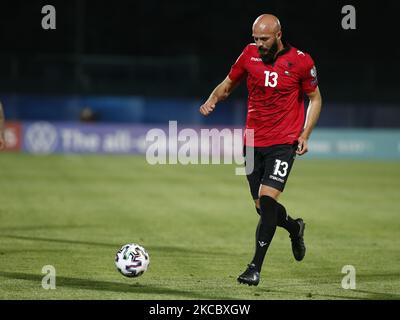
{"type": "Point", "coordinates": [269, 191]}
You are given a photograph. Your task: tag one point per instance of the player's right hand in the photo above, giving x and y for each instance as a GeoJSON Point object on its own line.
{"type": "Point", "coordinates": [207, 108]}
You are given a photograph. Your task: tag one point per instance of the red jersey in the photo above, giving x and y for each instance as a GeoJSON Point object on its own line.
{"type": "Point", "coordinates": [276, 93]}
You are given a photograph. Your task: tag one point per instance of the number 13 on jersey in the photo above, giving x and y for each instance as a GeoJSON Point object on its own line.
{"type": "Point", "coordinates": [271, 79]}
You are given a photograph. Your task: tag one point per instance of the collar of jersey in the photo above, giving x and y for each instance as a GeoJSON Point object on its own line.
{"type": "Point", "coordinates": [286, 48]}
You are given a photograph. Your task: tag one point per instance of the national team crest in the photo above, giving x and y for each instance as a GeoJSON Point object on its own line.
{"type": "Point", "coordinates": [313, 72]}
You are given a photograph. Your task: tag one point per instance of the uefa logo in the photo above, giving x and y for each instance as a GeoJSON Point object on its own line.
{"type": "Point", "coordinates": [41, 137]}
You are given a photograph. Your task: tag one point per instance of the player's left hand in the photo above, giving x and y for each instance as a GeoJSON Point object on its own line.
{"type": "Point", "coordinates": [302, 147]}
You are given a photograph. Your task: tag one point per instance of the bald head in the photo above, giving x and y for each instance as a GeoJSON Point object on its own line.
{"type": "Point", "coordinates": [266, 23]}
{"type": "Point", "coordinates": [267, 36]}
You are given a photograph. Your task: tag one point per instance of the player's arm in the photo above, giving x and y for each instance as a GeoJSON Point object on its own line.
{"type": "Point", "coordinates": [2, 139]}
{"type": "Point", "coordinates": [221, 92]}
{"type": "Point", "coordinates": [313, 111]}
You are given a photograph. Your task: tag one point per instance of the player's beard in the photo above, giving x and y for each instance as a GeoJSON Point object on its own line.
{"type": "Point", "coordinates": [269, 57]}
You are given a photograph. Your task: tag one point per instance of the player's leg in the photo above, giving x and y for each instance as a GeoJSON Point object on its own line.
{"type": "Point", "coordinates": [264, 233]}
{"type": "Point", "coordinates": [269, 216]}
{"type": "Point", "coordinates": [284, 220]}
{"type": "Point", "coordinates": [277, 163]}
{"type": "Point", "coordinates": [281, 159]}
{"type": "Point", "coordinates": [295, 227]}
{"type": "Point", "coordinates": [265, 197]}
{"type": "Point", "coordinates": [251, 276]}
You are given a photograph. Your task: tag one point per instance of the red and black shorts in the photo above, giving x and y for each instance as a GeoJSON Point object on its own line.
{"type": "Point", "coordinates": [272, 166]}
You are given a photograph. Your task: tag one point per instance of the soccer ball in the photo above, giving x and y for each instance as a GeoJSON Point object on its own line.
{"type": "Point", "coordinates": [132, 260]}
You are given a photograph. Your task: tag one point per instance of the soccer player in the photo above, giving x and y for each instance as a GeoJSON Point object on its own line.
{"type": "Point", "coordinates": [2, 139]}
{"type": "Point", "coordinates": [278, 75]}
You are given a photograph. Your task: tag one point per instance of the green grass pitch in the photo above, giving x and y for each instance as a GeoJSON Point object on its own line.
{"type": "Point", "coordinates": [197, 223]}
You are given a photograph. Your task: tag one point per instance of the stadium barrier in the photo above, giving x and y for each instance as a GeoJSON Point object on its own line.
{"type": "Point", "coordinates": [82, 138]}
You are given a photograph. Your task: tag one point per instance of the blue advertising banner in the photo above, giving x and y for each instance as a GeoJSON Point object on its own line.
{"type": "Point", "coordinates": [355, 144]}
{"type": "Point", "coordinates": [45, 137]}
{"type": "Point", "coordinates": [72, 137]}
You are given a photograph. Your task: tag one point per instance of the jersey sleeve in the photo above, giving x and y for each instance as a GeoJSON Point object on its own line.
{"type": "Point", "coordinates": [309, 80]}
{"type": "Point", "coordinates": [238, 70]}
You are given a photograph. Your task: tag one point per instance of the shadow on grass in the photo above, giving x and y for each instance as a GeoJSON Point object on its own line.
{"type": "Point", "coordinates": [118, 287]}
{"type": "Point", "coordinates": [116, 246]}
{"type": "Point", "coordinates": [45, 227]}
{"type": "Point", "coordinates": [314, 295]}
{"type": "Point", "coordinates": [64, 241]}
{"type": "Point", "coordinates": [350, 296]}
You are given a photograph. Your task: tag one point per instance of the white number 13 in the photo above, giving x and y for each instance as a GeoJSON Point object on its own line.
{"type": "Point", "coordinates": [281, 168]}
{"type": "Point", "coordinates": [271, 79]}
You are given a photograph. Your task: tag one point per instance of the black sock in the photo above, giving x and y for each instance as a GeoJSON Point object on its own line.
{"type": "Point", "coordinates": [285, 221]}
{"type": "Point", "coordinates": [265, 230]}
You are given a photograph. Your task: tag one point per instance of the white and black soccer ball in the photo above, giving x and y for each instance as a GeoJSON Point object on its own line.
{"type": "Point", "coordinates": [132, 260]}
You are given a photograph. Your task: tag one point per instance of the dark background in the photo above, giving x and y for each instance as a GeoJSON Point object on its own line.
{"type": "Point", "coordinates": [185, 48]}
